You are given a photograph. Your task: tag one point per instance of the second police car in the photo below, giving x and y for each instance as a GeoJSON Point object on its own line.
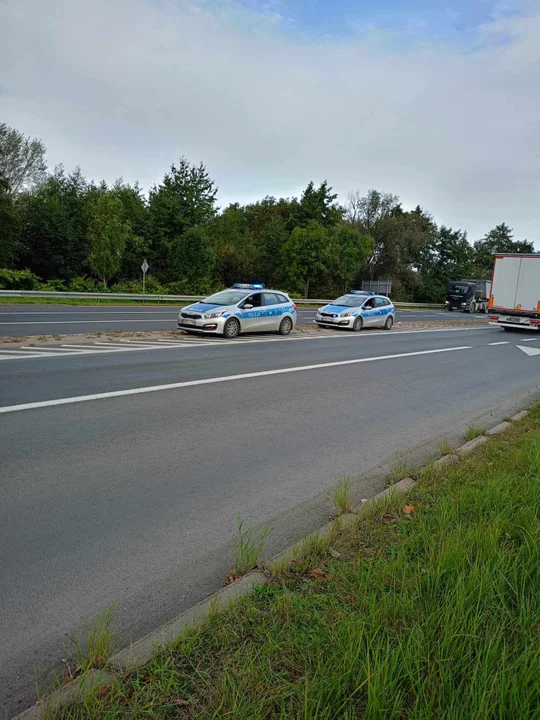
{"type": "Point", "coordinates": [356, 310]}
{"type": "Point", "coordinates": [242, 308]}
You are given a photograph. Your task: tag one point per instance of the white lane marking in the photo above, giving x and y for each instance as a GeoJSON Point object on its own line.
{"type": "Point", "coordinates": [226, 378]}
{"type": "Point", "coordinates": [529, 350]}
{"type": "Point", "coordinates": [500, 343]}
{"type": "Point", "coordinates": [529, 339]}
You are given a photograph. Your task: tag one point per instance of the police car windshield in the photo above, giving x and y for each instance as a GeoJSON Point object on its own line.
{"type": "Point", "coordinates": [350, 300]}
{"type": "Point", "coordinates": [227, 297]}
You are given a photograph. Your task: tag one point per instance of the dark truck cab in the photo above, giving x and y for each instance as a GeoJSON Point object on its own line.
{"type": "Point", "coordinates": [468, 295]}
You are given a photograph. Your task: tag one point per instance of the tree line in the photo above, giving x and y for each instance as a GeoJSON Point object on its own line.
{"type": "Point", "coordinates": [61, 231]}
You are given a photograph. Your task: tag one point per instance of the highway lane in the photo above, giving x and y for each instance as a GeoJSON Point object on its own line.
{"type": "Point", "coordinates": [20, 320]}
{"type": "Point", "coordinates": [135, 499]}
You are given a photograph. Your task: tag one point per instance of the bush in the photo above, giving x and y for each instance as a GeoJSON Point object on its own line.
{"type": "Point", "coordinates": [82, 284]}
{"type": "Point", "coordinates": [18, 280]}
{"type": "Point", "coordinates": [54, 286]}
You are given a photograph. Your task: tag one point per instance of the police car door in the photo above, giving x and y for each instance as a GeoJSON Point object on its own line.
{"type": "Point", "coordinates": [382, 310]}
{"type": "Point", "coordinates": [272, 311]}
{"type": "Point", "coordinates": [251, 318]}
{"type": "Point", "coordinates": [369, 313]}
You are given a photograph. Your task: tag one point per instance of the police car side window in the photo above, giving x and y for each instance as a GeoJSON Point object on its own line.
{"type": "Point", "coordinates": [255, 300]}
{"type": "Point", "coordinates": [282, 299]}
{"type": "Point", "coordinates": [379, 302]}
{"type": "Point", "coordinates": [369, 304]}
{"type": "Point", "coordinates": [270, 299]}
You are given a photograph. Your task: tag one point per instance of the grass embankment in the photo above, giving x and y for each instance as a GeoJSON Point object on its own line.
{"type": "Point", "coordinates": [84, 301]}
{"type": "Point", "coordinates": [431, 610]}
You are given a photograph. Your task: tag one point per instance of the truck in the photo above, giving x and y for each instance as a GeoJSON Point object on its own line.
{"type": "Point", "coordinates": [515, 295]}
{"type": "Point", "coordinates": [471, 296]}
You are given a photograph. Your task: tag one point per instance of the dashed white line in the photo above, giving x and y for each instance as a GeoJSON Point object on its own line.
{"type": "Point", "coordinates": [227, 378]}
{"type": "Point", "coordinates": [500, 343]}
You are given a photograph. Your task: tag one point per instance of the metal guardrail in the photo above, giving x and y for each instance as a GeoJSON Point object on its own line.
{"type": "Point", "coordinates": [161, 298]}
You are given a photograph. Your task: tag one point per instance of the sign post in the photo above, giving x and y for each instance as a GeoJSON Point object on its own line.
{"type": "Point", "coordinates": [144, 268]}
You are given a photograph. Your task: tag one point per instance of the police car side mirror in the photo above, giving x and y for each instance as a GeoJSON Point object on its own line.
{"type": "Point", "coordinates": [247, 306]}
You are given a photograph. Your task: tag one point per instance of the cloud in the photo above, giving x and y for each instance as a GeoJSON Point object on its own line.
{"type": "Point", "coordinates": [124, 87]}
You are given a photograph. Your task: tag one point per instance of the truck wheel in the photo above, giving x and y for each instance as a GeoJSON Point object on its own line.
{"type": "Point", "coordinates": [472, 308]}
{"type": "Point", "coordinates": [450, 308]}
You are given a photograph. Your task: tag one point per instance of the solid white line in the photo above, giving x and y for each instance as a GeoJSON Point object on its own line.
{"type": "Point", "coordinates": [211, 381]}
{"type": "Point", "coordinates": [500, 343]}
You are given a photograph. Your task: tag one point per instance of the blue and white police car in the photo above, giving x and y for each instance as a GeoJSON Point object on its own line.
{"type": "Point", "coordinates": [356, 310]}
{"type": "Point", "coordinates": [242, 308]}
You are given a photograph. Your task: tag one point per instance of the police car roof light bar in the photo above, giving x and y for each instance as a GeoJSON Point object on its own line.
{"type": "Point", "coordinates": [361, 292]}
{"type": "Point", "coordinates": [249, 286]}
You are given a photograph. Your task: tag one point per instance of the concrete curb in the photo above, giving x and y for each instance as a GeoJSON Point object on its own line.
{"type": "Point", "coordinates": [141, 651]}
{"type": "Point", "coordinates": [73, 691]}
{"type": "Point", "coordinates": [498, 429]}
{"type": "Point", "coordinates": [472, 445]}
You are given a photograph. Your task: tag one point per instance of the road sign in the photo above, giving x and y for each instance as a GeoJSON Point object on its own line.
{"type": "Point", "coordinates": [144, 268]}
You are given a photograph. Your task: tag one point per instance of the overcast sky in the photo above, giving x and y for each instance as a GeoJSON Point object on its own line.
{"type": "Point", "coordinates": [437, 103]}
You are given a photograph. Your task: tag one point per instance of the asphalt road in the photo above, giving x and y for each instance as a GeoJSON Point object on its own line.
{"type": "Point", "coordinates": [130, 493]}
{"type": "Point", "coordinates": [18, 320]}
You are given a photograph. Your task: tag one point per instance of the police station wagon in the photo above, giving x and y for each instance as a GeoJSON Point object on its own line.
{"type": "Point", "coordinates": [356, 310]}
{"type": "Point", "coordinates": [242, 308]}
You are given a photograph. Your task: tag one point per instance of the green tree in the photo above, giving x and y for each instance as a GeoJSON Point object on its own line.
{"type": "Point", "coordinates": [54, 222]}
{"type": "Point", "coordinates": [316, 204]}
{"type": "Point", "coordinates": [237, 256]}
{"type": "Point", "coordinates": [135, 212]}
{"type": "Point", "coordinates": [186, 198]}
{"type": "Point", "coordinates": [305, 257]}
{"type": "Point", "coordinates": [22, 159]}
{"type": "Point", "coordinates": [349, 251]}
{"type": "Point", "coordinates": [399, 238]}
{"type": "Point", "coordinates": [107, 234]}
{"type": "Point", "coordinates": [194, 258]}
{"type": "Point", "coordinates": [9, 226]}
{"type": "Point", "coordinates": [449, 256]}
{"type": "Point", "coordinates": [498, 240]}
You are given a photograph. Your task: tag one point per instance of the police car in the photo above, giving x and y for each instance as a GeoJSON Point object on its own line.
{"type": "Point", "coordinates": [242, 308]}
{"type": "Point", "coordinates": [356, 310]}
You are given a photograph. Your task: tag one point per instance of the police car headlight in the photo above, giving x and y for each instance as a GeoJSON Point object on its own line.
{"type": "Point", "coordinates": [345, 314]}
{"type": "Point", "coordinates": [211, 316]}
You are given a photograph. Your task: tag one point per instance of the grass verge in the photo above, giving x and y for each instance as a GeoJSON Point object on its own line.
{"type": "Point", "coordinates": [86, 301]}
{"type": "Point", "coordinates": [431, 610]}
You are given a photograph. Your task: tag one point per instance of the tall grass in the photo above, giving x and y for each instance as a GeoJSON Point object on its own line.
{"type": "Point", "coordinates": [430, 614]}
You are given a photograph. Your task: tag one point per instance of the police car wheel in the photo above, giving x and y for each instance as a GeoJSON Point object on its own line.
{"type": "Point", "coordinates": [358, 324]}
{"type": "Point", "coordinates": [231, 329]}
{"type": "Point", "coordinates": [285, 326]}
{"type": "Point", "coordinates": [389, 323]}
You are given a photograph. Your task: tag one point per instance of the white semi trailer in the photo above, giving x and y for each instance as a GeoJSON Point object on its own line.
{"type": "Point", "coordinates": [515, 292]}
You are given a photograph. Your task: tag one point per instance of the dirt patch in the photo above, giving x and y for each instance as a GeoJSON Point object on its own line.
{"type": "Point", "coordinates": [84, 338]}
